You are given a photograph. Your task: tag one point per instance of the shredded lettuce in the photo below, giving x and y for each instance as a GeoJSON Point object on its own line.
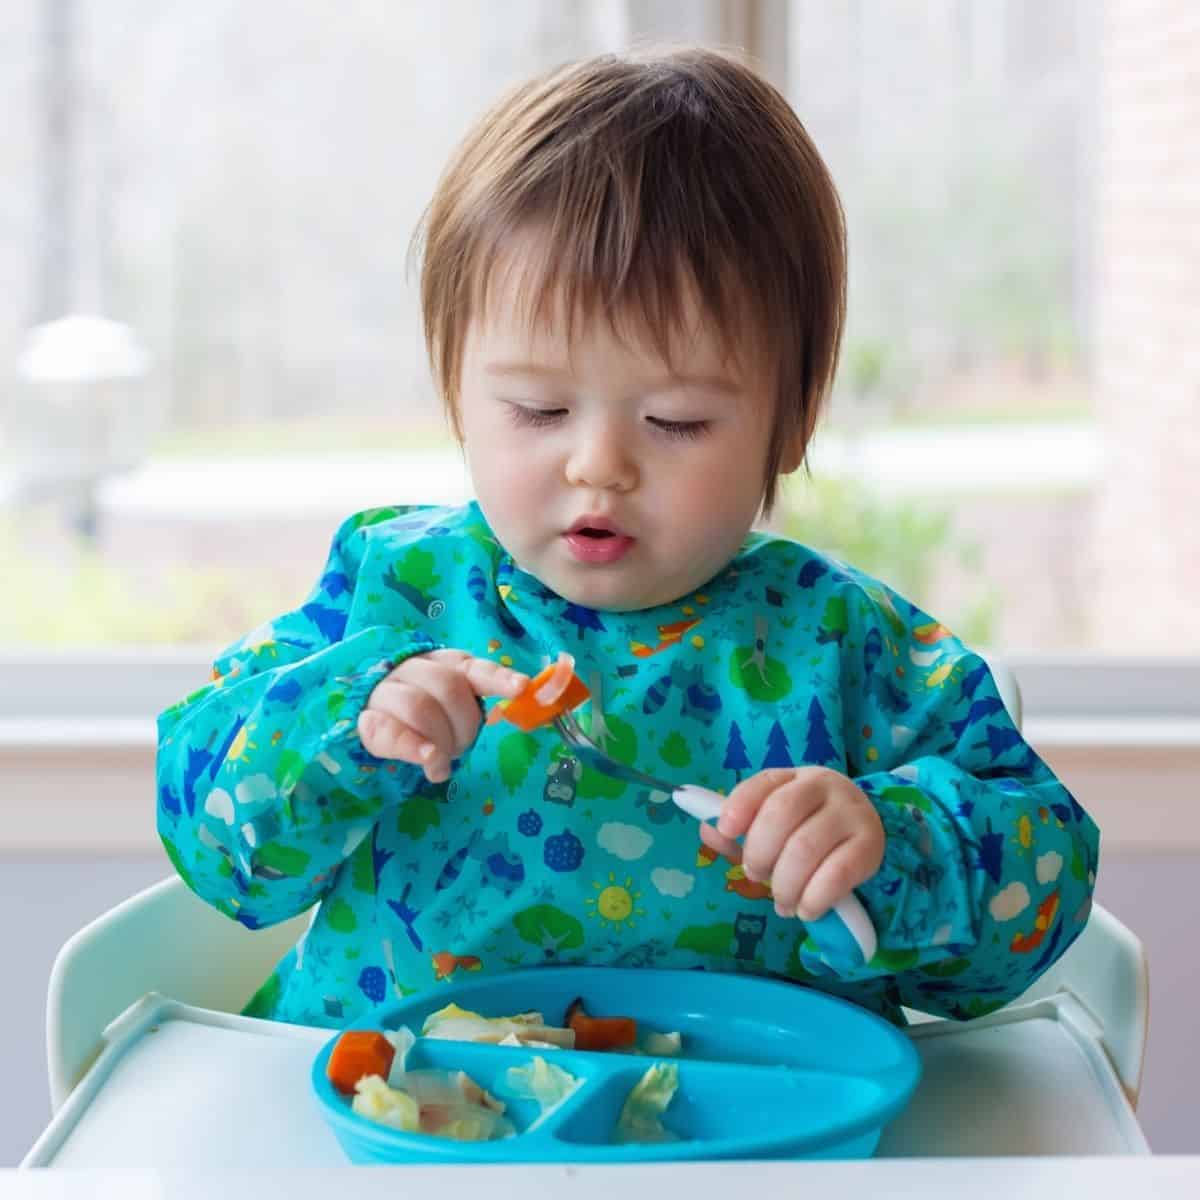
{"type": "Point", "coordinates": [661, 1045]}
{"type": "Point", "coordinates": [447, 1104]}
{"type": "Point", "coordinates": [387, 1105]}
{"type": "Point", "coordinates": [541, 1081]}
{"type": "Point", "coordinates": [402, 1041]}
{"type": "Point", "coordinates": [641, 1115]}
{"type": "Point", "coordinates": [461, 1025]}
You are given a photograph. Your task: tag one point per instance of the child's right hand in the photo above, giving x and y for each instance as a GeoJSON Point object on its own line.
{"type": "Point", "coordinates": [427, 711]}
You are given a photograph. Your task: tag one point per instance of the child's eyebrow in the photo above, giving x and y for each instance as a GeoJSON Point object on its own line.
{"type": "Point", "coordinates": [518, 368]}
{"type": "Point", "coordinates": [715, 383]}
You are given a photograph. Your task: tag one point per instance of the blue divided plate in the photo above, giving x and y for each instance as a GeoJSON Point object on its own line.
{"type": "Point", "coordinates": [768, 1070]}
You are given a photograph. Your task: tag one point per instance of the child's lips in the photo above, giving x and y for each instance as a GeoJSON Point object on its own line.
{"type": "Point", "coordinates": [597, 546]}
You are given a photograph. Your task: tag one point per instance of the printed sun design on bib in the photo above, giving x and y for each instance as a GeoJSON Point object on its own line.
{"type": "Point", "coordinates": [616, 906]}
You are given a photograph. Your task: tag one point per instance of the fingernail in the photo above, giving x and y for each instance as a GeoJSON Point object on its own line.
{"type": "Point", "coordinates": [427, 751]}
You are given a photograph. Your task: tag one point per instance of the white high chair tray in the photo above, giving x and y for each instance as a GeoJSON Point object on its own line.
{"type": "Point", "coordinates": [178, 1086]}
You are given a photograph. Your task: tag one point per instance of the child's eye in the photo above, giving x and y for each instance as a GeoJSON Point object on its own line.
{"type": "Point", "coordinates": [524, 415]}
{"type": "Point", "coordinates": [681, 429]}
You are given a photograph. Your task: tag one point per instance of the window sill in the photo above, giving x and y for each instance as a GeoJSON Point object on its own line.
{"type": "Point", "coordinates": [1046, 734]}
{"type": "Point", "coordinates": [76, 734]}
{"type": "Point", "coordinates": [86, 786]}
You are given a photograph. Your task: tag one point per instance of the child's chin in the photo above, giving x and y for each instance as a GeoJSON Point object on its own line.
{"type": "Point", "coordinates": [613, 595]}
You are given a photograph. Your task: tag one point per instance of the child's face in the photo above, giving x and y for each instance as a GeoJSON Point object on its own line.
{"type": "Point", "coordinates": [671, 463]}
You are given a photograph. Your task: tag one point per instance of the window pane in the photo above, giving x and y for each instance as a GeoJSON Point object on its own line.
{"type": "Point", "coordinates": [237, 184]}
{"type": "Point", "coordinates": [1018, 399]}
{"type": "Point", "coordinates": [1013, 441]}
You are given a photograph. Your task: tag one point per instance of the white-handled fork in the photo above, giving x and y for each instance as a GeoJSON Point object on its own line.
{"type": "Point", "coordinates": [845, 934]}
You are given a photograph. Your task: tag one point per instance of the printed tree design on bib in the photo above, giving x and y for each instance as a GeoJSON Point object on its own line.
{"type": "Point", "coordinates": [613, 735]}
{"type": "Point", "coordinates": [515, 753]}
{"type": "Point", "coordinates": [779, 753]}
{"type": "Point", "coordinates": [414, 578]}
{"type": "Point", "coordinates": [674, 750]}
{"type": "Point", "coordinates": [752, 670]}
{"type": "Point", "coordinates": [818, 745]}
{"type": "Point", "coordinates": [736, 758]}
{"type": "Point", "coordinates": [549, 929]}
{"type": "Point", "coordinates": [835, 621]}
{"type": "Point", "coordinates": [584, 619]}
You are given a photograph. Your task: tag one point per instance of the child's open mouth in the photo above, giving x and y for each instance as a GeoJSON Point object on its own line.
{"type": "Point", "coordinates": [599, 542]}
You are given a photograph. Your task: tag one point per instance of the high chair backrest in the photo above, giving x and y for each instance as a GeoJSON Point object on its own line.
{"type": "Point", "coordinates": [165, 939]}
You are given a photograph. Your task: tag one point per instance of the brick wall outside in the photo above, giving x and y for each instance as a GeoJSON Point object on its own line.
{"type": "Point", "coordinates": [1144, 565]}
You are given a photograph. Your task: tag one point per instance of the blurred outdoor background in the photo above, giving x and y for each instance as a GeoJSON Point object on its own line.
{"type": "Point", "coordinates": [220, 196]}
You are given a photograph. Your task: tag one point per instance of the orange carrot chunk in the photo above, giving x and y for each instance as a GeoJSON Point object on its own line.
{"type": "Point", "coordinates": [527, 712]}
{"type": "Point", "coordinates": [600, 1033]}
{"type": "Point", "coordinates": [357, 1053]}
{"type": "Point", "coordinates": [603, 1033]}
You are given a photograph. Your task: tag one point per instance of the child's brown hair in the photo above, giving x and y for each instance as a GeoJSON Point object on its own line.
{"type": "Point", "coordinates": [650, 178]}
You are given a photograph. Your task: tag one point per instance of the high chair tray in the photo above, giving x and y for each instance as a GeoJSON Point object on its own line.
{"type": "Point", "coordinates": [177, 1086]}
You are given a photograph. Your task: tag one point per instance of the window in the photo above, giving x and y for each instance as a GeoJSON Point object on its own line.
{"type": "Point", "coordinates": [1013, 441]}
{"type": "Point", "coordinates": [1018, 361]}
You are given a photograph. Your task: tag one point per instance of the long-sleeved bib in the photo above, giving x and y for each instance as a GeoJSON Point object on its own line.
{"type": "Point", "coordinates": [269, 804]}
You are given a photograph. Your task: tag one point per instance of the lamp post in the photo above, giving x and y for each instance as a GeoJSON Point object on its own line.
{"type": "Point", "coordinates": [83, 415]}
{"type": "Point", "coordinates": [78, 414]}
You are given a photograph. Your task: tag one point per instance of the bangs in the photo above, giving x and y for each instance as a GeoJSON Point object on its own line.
{"type": "Point", "coordinates": [656, 192]}
{"type": "Point", "coordinates": [563, 281]}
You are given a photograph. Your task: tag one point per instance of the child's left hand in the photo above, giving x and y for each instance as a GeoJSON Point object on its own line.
{"type": "Point", "coordinates": [809, 830]}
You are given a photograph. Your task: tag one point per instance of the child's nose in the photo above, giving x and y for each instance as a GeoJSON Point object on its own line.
{"type": "Point", "coordinates": [601, 458]}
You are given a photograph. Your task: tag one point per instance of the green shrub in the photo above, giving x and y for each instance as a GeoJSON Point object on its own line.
{"type": "Point", "coordinates": [907, 544]}
{"type": "Point", "coordinates": [82, 600]}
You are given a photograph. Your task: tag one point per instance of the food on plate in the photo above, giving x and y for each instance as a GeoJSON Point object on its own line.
{"type": "Point", "coordinates": [661, 1045]}
{"type": "Point", "coordinates": [389, 1106]}
{"type": "Point", "coordinates": [356, 1053]}
{"type": "Point", "coordinates": [553, 690]}
{"type": "Point", "coordinates": [447, 1104]}
{"type": "Point", "coordinates": [599, 1033]}
{"type": "Point", "coordinates": [641, 1115]}
{"type": "Point", "coordinates": [456, 1024]}
{"type": "Point", "coordinates": [580, 1031]}
{"type": "Point", "coordinates": [542, 1081]}
{"type": "Point", "coordinates": [371, 1067]}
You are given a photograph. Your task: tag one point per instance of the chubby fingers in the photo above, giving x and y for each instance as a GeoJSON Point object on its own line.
{"type": "Point", "coordinates": [848, 864]}
{"type": "Point", "coordinates": [742, 804]}
{"type": "Point", "coordinates": [721, 844]}
{"type": "Point", "coordinates": [739, 810]}
{"type": "Point", "coordinates": [427, 710]}
{"type": "Point", "coordinates": [488, 678]}
{"type": "Point", "coordinates": [810, 831]}
{"type": "Point", "coordinates": [740, 813]}
{"type": "Point", "coordinates": [813, 869]}
{"type": "Point", "coordinates": [385, 736]}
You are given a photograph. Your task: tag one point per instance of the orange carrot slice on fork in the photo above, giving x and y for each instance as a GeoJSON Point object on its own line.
{"type": "Point", "coordinates": [553, 690]}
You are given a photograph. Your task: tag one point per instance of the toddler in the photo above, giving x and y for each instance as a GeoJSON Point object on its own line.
{"type": "Point", "coordinates": [633, 289]}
